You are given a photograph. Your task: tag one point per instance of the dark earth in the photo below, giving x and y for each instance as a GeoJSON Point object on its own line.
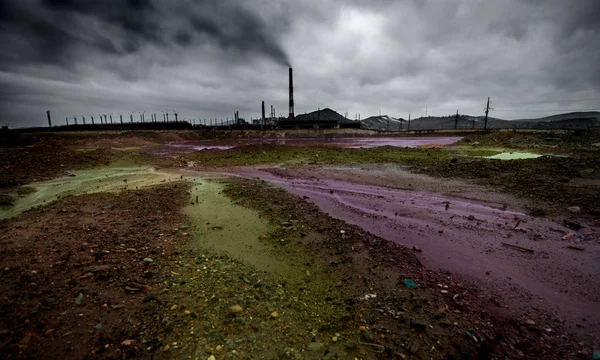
{"type": "Point", "coordinates": [118, 275]}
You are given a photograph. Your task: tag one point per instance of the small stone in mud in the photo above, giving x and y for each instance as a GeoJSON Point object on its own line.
{"type": "Point", "coordinates": [528, 322]}
{"type": "Point", "coordinates": [235, 309]}
{"type": "Point", "coordinates": [174, 307]}
{"type": "Point", "coordinates": [148, 260]}
{"type": "Point", "coordinates": [574, 209]}
{"type": "Point", "coordinates": [274, 315]}
{"type": "Point", "coordinates": [471, 217]}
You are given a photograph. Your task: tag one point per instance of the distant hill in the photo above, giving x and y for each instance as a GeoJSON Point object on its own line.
{"type": "Point", "coordinates": [577, 120]}
{"type": "Point", "coordinates": [383, 122]}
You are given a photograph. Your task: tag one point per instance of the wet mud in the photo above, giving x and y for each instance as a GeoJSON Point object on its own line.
{"type": "Point", "coordinates": [474, 239]}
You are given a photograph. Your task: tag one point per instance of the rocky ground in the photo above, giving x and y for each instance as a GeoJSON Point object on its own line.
{"type": "Point", "coordinates": [121, 275]}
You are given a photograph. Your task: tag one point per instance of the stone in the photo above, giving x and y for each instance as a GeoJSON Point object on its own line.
{"type": "Point", "coordinates": [235, 309]}
{"type": "Point", "coordinates": [528, 322]}
{"type": "Point", "coordinates": [79, 299]}
{"type": "Point", "coordinates": [148, 260]}
{"type": "Point", "coordinates": [274, 315]}
{"type": "Point", "coordinates": [574, 209]}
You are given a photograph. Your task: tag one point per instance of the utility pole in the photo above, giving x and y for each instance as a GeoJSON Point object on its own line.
{"type": "Point", "coordinates": [92, 116]}
{"type": "Point", "coordinates": [75, 119]}
{"type": "Point", "coordinates": [408, 129]}
{"type": "Point", "coordinates": [487, 109]}
{"type": "Point", "coordinates": [456, 120]}
{"type": "Point", "coordinates": [67, 121]}
{"type": "Point", "coordinates": [49, 119]}
{"type": "Point", "coordinates": [83, 118]}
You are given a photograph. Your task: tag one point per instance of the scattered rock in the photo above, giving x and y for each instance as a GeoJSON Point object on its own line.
{"type": "Point", "coordinates": [174, 307]}
{"type": "Point", "coordinates": [528, 322]}
{"type": "Point", "coordinates": [574, 209]}
{"type": "Point", "coordinates": [235, 309]}
{"type": "Point", "coordinates": [274, 315]}
{"type": "Point", "coordinates": [148, 260]}
{"type": "Point", "coordinates": [79, 299]}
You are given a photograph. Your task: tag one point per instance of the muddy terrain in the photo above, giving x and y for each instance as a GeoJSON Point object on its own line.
{"type": "Point", "coordinates": [173, 245]}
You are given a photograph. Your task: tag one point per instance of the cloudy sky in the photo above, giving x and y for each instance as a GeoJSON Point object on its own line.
{"type": "Point", "coordinates": [209, 58]}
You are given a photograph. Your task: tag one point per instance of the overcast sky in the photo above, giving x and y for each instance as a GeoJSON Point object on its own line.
{"type": "Point", "coordinates": [209, 58]}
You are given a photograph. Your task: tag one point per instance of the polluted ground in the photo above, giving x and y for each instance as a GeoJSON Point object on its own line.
{"type": "Point", "coordinates": [173, 245]}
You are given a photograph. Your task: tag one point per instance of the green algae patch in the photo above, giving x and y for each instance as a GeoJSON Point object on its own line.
{"type": "Point", "coordinates": [222, 226]}
{"type": "Point", "coordinates": [86, 182]}
{"type": "Point", "coordinates": [514, 156]}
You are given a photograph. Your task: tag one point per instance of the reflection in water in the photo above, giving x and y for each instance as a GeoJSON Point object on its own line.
{"type": "Point", "coordinates": [351, 143]}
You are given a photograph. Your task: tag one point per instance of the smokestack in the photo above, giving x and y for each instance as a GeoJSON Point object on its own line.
{"type": "Point", "coordinates": [263, 112]}
{"type": "Point", "coordinates": [291, 95]}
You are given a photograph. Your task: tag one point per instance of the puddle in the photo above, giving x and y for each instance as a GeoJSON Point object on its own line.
{"type": "Point", "coordinates": [86, 182]}
{"type": "Point", "coordinates": [218, 223]}
{"type": "Point", "coordinates": [513, 156]}
{"type": "Point", "coordinates": [221, 225]}
{"type": "Point", "coordinates": [351, 143]}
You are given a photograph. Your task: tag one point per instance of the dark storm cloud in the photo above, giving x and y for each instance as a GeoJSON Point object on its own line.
{"type": "Point", "coordinates": [58, 31]}
{"type": "Point", "coordinates": [210, 58]}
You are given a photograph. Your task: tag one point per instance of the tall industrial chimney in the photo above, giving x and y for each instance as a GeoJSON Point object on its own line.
{"type": "Point", "coordinates": [291, 95]}
{"type": "Point", "coordinates": [263, 113]}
